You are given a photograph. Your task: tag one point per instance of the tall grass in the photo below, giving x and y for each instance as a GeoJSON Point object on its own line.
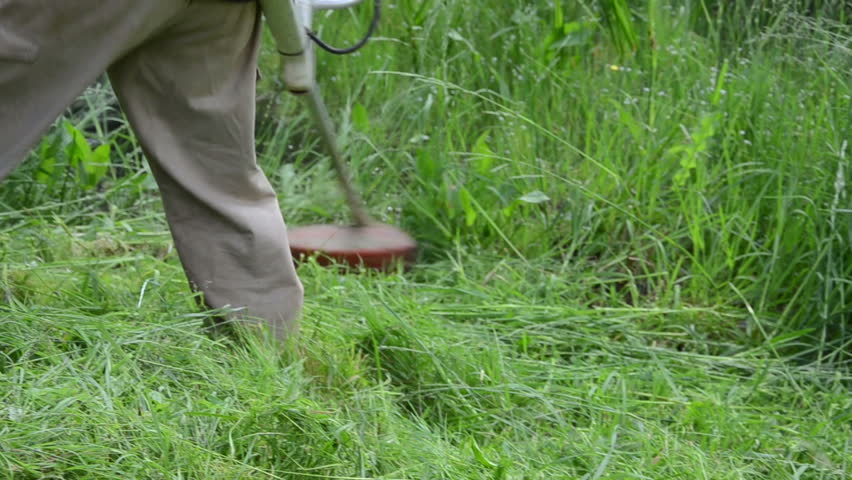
{"type": "Point", "coordinates": [695, 173]}
{"type": "Point", "coordinates": [468, 371]}
{"type": "Point", "coordinates": [636, 262]}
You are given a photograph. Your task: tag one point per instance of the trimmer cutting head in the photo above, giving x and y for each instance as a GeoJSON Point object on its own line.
{"type": "Point", "coordinates": [369, 243]}
{"type": "Point", "coordinates": [376, 246]}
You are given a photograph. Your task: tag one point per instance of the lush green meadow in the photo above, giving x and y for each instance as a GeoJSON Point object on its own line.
{"type": "Point", "coordinates": [636, 262]}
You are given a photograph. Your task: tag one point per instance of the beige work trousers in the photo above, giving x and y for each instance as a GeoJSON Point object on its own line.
{"type": "Point", "coordinates": [184, 72]}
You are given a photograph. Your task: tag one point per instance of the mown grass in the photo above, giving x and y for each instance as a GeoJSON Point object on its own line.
{"type": "Point", "coordinates": [635, 264]}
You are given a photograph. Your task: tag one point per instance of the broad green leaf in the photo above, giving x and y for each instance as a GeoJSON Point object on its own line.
{"type": "Point", "coordinates": [535, 196]}
{"type": "Point", "coordinates": [46, 170]}
{"type": "Point", "coordinates": [46, 173]}
{"type": "Point", "coordinates": [97, 165]}
{"type": "Point", "coordinates": [76, 151]}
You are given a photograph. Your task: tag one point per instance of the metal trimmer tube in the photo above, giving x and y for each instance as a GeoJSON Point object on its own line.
{"type": "Point", "coordinates": [319, 112]}
{"type": "Point", "coordinates": [288, 21]}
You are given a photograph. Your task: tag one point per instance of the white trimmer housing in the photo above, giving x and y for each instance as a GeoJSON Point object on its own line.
{"type": "Point", "coordinates": [288, 22]}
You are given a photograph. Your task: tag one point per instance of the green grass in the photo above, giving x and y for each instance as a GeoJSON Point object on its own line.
{"type": "Point", "coordinates": [636, 263]}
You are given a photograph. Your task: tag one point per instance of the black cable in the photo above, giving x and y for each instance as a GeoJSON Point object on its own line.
{"type": "Point", "coordinates": [377, 10]}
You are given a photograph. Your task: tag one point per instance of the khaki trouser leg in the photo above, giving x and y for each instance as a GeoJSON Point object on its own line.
{"type": "Point", "coordinates": [51, 50]}
{"type": "Point", "coordinates": [184, 73]}
{"type": "Point", "coordinates": [189, 95]}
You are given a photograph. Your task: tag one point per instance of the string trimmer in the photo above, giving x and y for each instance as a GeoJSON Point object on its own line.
{"type": "Point", "coordinates": [366, 242]}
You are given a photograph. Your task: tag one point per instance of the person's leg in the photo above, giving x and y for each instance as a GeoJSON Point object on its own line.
{"type": "Point", "coordinates": [51, 50]}
{"type": "Point", "coordinates": [189, 95]}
